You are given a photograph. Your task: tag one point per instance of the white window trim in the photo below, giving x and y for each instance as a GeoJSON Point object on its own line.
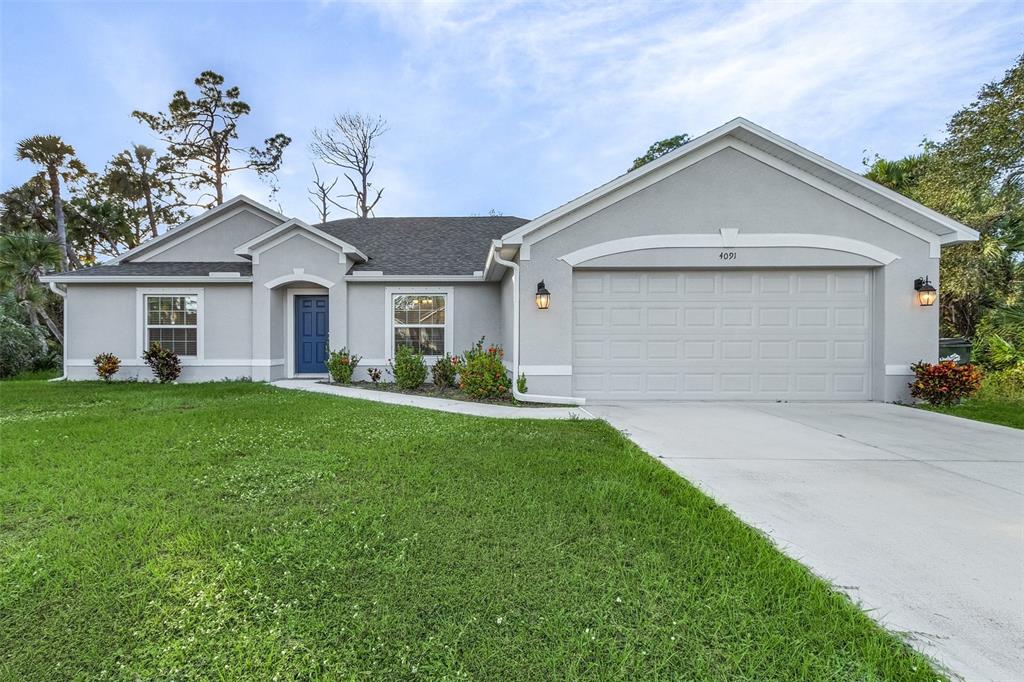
{"type": "Point", "coordinates": [140, 319]}
{"type": "Point", "coordinates": [389, 320]}
{"type": "Point", "coordinates": [290, 326]}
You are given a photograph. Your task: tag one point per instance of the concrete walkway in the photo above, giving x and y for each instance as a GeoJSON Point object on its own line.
{"type": "Point", "coordinates": [917, 516]}
{"type": "Point", "coordinates": [439, 404]}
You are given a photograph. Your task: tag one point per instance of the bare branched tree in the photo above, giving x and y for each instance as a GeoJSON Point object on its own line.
{"type": "Point", "coordinates": [349, 144]}
{"type": "Point", "coordinates": [320, 195]}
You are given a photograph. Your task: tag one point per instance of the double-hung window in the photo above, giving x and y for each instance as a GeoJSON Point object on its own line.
{"type": "Point", "coordinates": [172, 320]}
{"type": "Point", "coordinates": [419, 321]}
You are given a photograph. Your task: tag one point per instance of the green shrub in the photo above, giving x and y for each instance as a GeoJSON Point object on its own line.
{"type": "Point", "coordinates": [165, 364]}
{"type": "Point", "coordinates": [408, 369]}
{"type": "Point", "coordinates": [521, 382]}
{"type": "Point", "coordinates": [944, 383]}
{"type": "Point", "coordinates": [107, 365]}
{"type": "Point", "coordinates": [999, 342]}
{"type": "Point", "coordinates": [1004, 386]}
{"type": "Point", "coordinates": [341, 364]}
{"type": "Point", "coordinates": [996, 353]}
{"type": "Point", "coordinates": [483, 373]}
{"type": "Point", "coordinates": [445, 371]}
{"type": "Point", "coordinates": [21, 349]}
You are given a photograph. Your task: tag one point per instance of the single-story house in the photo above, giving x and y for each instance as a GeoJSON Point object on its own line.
{"type": "Point", "coordinates": [738, 267]}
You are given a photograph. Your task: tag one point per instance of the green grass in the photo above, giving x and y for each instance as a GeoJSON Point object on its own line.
{"type": "Point", "coordinates": [1005, 412]}
{"type": "Point", "coordinates": [236, 531]}
{"type": "Point", "coordinates": [36, 375]}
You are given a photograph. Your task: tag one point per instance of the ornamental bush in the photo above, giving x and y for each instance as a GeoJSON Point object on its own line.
{"type": "Point", "coordinates": [375, 374]}
{"type": "Point", "coordinates": [446, 370]}
{"type": "Point", "coordinates": [483, 373]}
{"type": "Point", "coordinates": [20, 348]}
{"type": "Point", "coordinates": [1004, 386]}
{"type": "Point", "coordinates": [107, 365]}
{"type": "Point", "coordinates": [944, 383]}
{"type": "Point", "coordinates": [341, 364]}
{"type": "Point", "coordinates": [408, 369]}
{"type": "Point", "coordinates": [165, 364]}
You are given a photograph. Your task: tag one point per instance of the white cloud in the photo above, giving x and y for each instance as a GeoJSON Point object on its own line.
{"type": "Point", "coordinates": [603, 81]}
{"type": "Point", "coordinates": [519, 106]}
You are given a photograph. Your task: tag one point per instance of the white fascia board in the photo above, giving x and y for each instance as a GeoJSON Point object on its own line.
{"type": "Point", "coordinates": [129, 280]}
{"type": "Point", "coordinates": [516, 235]}
{"type": "Point", "coordinates": [697, 149]}
{"type": "Point", "coordinates": [963, 232]}
{"type": "Point", "coordinates": [259, 243]}
{"type": "Point", "coordinates": [415, 278]}
{"type": "Point", "coordinates": [185, 228]}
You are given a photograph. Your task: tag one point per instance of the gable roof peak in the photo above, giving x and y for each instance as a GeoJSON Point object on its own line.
{"type": "Point", "coordinates": [237, 201]}
{"type": "Point", "coordinates": [749, 137]}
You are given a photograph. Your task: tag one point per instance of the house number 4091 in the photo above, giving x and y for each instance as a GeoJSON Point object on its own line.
{"type": "Point", "coordinates": [727, 255]}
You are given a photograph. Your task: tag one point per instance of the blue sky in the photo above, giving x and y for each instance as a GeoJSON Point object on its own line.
{"type": "Point", "coordinates": [511, 106]}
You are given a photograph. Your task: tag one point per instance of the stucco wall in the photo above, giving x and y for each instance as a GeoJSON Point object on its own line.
{"type": "Point", "coordinates": [217, 242]}
{"type": "Point", "coordinates": [306, 265]}
{"type": "Point", "coordinates": [103, 318]}
{"type": "Point", "coordinates": [476, 312]}
{"type": "Point", "coordinates": [732, 190]}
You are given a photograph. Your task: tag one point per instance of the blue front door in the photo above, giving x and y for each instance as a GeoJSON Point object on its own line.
{"type": "Point", "coordinates": [310, 334]}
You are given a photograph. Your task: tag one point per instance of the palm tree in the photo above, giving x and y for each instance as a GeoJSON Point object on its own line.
{"type": "Point", "coordinates": [58, 161]}
{"type": "Point", "coordinates": [901, 175]}
{"type": "Point", "coordinates": [25, 256]}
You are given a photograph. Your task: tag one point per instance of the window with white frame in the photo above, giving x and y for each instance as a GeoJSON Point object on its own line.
{"type": "Point", "coordinates": [418, 322]}
{"type": "Point", "coordinates": [172, 320]}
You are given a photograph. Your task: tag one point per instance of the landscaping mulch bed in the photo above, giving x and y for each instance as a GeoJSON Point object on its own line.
{"type": "Point", "coordinates": [432, 391]}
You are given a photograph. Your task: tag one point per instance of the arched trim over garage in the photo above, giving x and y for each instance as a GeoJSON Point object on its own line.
{"type": "Point", "coordinates": [730, 239]}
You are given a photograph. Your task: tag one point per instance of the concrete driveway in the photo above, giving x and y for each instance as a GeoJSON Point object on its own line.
{"type": "Point", "coordinates": [917, 516]}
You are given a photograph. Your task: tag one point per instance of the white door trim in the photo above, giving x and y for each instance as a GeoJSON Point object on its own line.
{"type": "Point", "coordinates": [290, 325]}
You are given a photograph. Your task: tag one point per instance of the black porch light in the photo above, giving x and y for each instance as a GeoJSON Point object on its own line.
{"type": "Point", "coordinates": [926, 293]}
{"type": "Point", "coordinates": [543, 296]}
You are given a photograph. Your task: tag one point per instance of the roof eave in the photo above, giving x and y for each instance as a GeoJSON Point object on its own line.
{"type": "Point", "coordinates": [142, 279]}
{"type": "Point", "coordinates": [187, 226]}
{"type": "Point", "coordinates": [931, 221]}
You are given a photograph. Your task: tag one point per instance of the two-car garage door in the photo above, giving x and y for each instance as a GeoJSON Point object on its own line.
{"type": "Point", "coordinates": [722, 335]}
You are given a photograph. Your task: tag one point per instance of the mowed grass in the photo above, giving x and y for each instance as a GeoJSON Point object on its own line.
{"type": "Point", "coordinates": [1005, 412]}
{"type": "Point", "coordinates": [237, 531]}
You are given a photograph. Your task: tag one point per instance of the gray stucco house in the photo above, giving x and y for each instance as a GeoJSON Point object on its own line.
{"type": "Point", "coordinates": [738, 267]}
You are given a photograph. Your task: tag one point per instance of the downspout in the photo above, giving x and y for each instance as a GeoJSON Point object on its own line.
{"type": "Point", "coordinates": [524, 397]}
{"type": "Point", "coordinates": [55, 288]}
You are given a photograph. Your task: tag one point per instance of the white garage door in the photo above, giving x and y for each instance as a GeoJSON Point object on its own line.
{"type": "Point", "coordinates": [722, 335]}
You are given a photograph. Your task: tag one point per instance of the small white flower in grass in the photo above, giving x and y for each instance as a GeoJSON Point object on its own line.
{"type": "Point", "coordinates": [500, 620]}
{"type": "Point", "coordinates": [618, 600]}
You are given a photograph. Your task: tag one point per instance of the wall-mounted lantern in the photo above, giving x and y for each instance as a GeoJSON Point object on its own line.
{"type": "Point", "coordinates": [543, 296]}
{"type": "Point", "coordinates": [926, 293]}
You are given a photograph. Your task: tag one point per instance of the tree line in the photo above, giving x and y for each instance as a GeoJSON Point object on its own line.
{"type": "Point", "coordinates": [66, 216]}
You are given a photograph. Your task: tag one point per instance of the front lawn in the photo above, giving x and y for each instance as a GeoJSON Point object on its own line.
{"type": "Point", "coordinates": [1005, 412]}
{"type": "Point", "coordinates": [237, 531]}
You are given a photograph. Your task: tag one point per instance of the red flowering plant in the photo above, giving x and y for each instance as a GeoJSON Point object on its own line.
{"type": "Point", "coordinates": [483, 374]}
{"type": "Point", "coordinates": [944, 383]}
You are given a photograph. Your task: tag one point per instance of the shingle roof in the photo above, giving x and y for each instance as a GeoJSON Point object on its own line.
{"type": "Point", "coordinates": [163, 269]}
{"type": "Point", "coordinates": [423, 246]}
